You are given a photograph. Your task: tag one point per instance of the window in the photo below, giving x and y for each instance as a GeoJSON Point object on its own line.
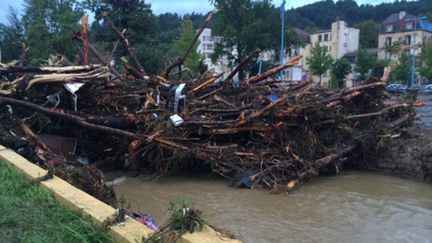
{"type": "Point", "coordinates": [388, 42]}
{"type": "Point", "coordinates": [409, 25]}
{"type": "Point", "coordinates": [210, 47]}
{"type": "Point", "coordinates": [319, 38]}
{"type": "Point", "coordinates": [326, 37]}
{"type": "Point", "coordinates": [325, 48]}
{"type": "Point", "coordinates": [387, 55]}
{"type": "Point", "coordinates": [408, 40]}
{"type": "Point", "coordinates": [389, 28]}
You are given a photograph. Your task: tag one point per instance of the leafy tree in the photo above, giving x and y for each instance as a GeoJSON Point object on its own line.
{"type": "Point", "coordinates": [245, 25]}
{"type": "Point", "coordinates": [11, 37]}
{"type": "Point", "coordinates": [49, 26]}
{"type": "Point", "coordinates": [369, 31]}
{"type": "Point", "coordinates": [340, 69]}
{"type": "Point", "coordinates": [378, 70]}
{"type": "Point", "coordinates": [141, 27]}
{"type": "Point", "coordinates": [426, 57]}
{"type": "Point", "coordinates": [319, 61]}
{"type": "Point", "coordinates": [182, 43]}
{"type": "Point", "coordinates": [401, 71]}
{"type": "Point", "coordinates": [365, 63]}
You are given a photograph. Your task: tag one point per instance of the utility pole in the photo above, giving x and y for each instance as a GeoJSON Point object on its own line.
{"type": "Point", "coordinates": [413, 68]}
{"type": "Point", "coordinates": [282, 52]}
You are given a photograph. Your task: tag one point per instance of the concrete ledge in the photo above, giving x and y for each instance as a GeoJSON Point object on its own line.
{"type": "Point", "coordinates": [75, 199]}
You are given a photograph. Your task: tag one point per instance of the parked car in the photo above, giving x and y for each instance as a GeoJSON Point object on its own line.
{"type": "Point", "coordinates": [396, 88]}
{"type": "Point", "coordinates": [427, 88]}
{"type": "Point", "coordinates": [415, 87]}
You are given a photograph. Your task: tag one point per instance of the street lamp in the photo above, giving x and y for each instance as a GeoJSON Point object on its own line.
{"type": "Point", "coordinates": [282, 52]}
{"type": "Point", "coordinates": [413, 68]}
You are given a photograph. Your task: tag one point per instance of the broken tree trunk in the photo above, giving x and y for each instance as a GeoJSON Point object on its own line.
{"type": "Point", "coordinates": [126, 43]}
{"type": "Point", "coordinates": [273, 71]}
{"type": "Point", "coordinates": [182, 59]}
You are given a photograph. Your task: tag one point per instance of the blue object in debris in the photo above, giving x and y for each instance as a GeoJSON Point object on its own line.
{"type": "Point", "coordinates": [236, 84]}
{"type": "Point", "coordinates": [272, 97]}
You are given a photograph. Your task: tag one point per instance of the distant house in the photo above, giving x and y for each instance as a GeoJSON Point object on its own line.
{"type": "Point", "coordinates": [340, 41]}
{"type": "Point", "coordinates": [397, 35]}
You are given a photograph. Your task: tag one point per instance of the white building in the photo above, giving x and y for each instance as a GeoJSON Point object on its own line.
{"type": "Point", "coordinates": [206, 48]}
{"type": "Point", "coordinates": [338, 41]}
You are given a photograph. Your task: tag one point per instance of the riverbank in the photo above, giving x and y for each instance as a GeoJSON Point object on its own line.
{"type": "Point", "coordinates": [408, 156]}
{"type": "Point", "coordinates": [31, 214]}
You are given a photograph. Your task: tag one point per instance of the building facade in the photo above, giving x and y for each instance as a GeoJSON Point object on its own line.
{"type": "Point", "coordinates": [397, 34]}
{"type": "Point", "coordinates": [339, 42]}
{"type": "Point", "coordinates": [206, 47]}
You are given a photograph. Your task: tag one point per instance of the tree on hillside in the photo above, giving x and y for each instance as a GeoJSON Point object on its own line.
{"type": "Point", "coordinates": [49, 26]}
{"type": "Point", "coordinates": [245, 25]}
{"type": "Point", "coordinates": [426, 57]}
{"type": "Point", "coordinates": [401, 71]}
{"type": "Point", "coordinates": [340, 69]}
{"type": "Point", "coordinates": [369, 31]}
{"type": "Point", "coordinates": [11, 37]}
{"type": "Point", "coordinates": [141, 27]}
{"type": "Point", "coordinates": [364, 64]}
{"type": "Point", "coordinates": [319, 61]}
{"type": "Point", "coordinates": [182, 43]}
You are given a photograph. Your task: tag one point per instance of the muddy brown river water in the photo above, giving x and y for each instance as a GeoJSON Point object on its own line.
{"type": "Point", "coordinates": [353, 207]}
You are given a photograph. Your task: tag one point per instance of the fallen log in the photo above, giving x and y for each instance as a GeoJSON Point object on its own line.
{"type": "Point", "coordinates": [273, 71]}
{"type": "Point", "coordinates": [69, 117]}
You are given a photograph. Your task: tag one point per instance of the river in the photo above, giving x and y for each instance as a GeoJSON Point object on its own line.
{"type": "Point", "coordinates": [353, 207]}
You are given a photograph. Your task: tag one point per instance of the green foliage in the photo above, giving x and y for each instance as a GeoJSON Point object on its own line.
{"type": "Point", "coordinates": [49, 26]}
{"type": "Point", "coordinates": [401, 71]}
{"type": "Point", "coordinates": [378, 70]}
{"type": "Point", "coordinates": [30, 214]}
{"type": "Point", "coordinates": [141, 27]}
{"type": "Point", "coordinates": [369, 31]}
{"type": "Point", "coordinates": [426, 57]}
{"type": "Point", "coordinates": [364, 64]}
{"type": "Point", "coordinates": [340, 69]}
{"type": "Point", "coordinates": [11, 37]}
{"type": "Point", "coordinates": [181, 45]}
{"type": "Point", "coordinates": [245, 25]}
{"type": "Point", "coordinates": [182, 218]}
{"type": "Point", "coordinates": [319, 61]}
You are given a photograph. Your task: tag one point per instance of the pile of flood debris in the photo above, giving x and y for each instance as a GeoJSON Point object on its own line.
{"type": "Point", "coordinates": [257, 132]}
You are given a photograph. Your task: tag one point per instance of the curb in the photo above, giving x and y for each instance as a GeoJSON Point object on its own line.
{"type": "Point", "coordinates": [77, 200]}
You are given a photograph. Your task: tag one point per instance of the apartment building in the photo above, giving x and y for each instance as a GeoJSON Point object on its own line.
{"type": "Point", "coordinates": [340, 41]}
{"type": "Point", "coordinates": [206, 47]}
{"type": "Point", "coordinates": [397, 35]}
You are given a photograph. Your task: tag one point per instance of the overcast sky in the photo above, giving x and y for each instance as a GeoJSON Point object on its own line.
{"type": "Point", "coordinates": [179, 6]}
